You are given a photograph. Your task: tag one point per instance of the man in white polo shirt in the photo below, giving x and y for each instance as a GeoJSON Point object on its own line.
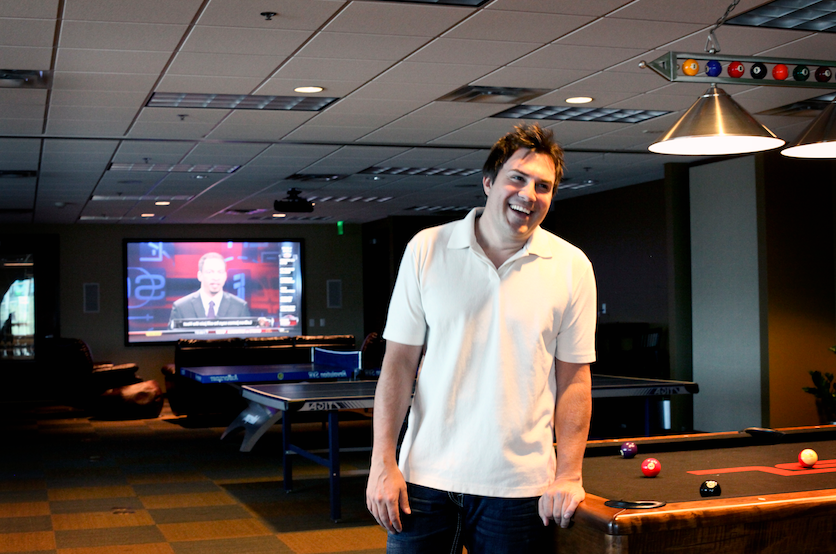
{"type": "Point", "coordinates": [506, 313]}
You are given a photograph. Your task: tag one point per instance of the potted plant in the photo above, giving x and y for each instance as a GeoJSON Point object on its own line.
{"type": "Point", "coordinates": [825, 394]}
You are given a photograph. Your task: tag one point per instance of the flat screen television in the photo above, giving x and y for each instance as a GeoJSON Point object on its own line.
{"type": "Point", "coordinates": [212, 289]}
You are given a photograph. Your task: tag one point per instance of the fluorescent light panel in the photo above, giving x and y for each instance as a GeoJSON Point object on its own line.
{"type": "Point", "coordinates": [574, 113]}
{"type": "Point", "coordinates": [175, 168]}
{"type": "Point", "coordinates": [423, 171]}
{"type": "Point", "coordinates": [802, 15]}
{"type": "Point", "coordinates": [238, 101]}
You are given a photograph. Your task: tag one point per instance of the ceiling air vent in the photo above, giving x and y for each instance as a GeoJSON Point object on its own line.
{"type": "Point", "coordinates": [21, 78]}
{"type": "Point", "coordinates": [493, 95]}
{"type": "Point", "coordinates": [804, 108]}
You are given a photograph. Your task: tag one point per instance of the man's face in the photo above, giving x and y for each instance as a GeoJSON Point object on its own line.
{"type": "Point", "coordinates": [213, 275]}
{"type": "Point", "coordinates": [519, 199]}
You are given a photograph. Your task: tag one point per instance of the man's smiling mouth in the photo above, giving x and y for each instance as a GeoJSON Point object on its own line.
{"type": "Point", "coordinates": [520, 209]}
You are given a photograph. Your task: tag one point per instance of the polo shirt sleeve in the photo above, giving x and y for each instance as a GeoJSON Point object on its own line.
{"type": "Point", "coordinates": [576, 338]}
{"type": "Point", "coordinates": [406, 322]}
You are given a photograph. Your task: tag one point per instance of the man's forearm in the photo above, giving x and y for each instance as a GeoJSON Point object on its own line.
{"type": "Point", "coordinates": [393, 396]}
{"type": "Point", "coordinates": [572, 415]}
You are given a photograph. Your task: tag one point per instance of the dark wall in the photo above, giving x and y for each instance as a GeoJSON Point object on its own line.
{"type": "Point", "coordinates": [623, 232]}
{"type": "Point", "coordinates": [798, 249]}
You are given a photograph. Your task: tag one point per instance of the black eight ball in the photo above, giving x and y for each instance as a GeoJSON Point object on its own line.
{"type": "Point", "coordinates": [710, 488]}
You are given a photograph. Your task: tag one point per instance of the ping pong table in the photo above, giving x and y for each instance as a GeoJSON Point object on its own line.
{"type": "Point", "coordinates": [291, 398]}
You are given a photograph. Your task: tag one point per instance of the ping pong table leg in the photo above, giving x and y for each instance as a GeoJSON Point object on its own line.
{"type": "Point", "coordinates": [334, 463]}
{"type": "Point", "coordinates": [287, 456]}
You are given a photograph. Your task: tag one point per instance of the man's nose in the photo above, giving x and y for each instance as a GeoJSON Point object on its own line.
{"type": "Point", "coordinates": [527, 191]}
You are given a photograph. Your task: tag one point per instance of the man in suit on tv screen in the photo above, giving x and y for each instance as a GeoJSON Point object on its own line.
{"type": "Point", "coordinates": [210, 301]}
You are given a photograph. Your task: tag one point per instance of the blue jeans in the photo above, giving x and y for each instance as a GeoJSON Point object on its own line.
{"type": "Point", "coordinates": [442, 522]}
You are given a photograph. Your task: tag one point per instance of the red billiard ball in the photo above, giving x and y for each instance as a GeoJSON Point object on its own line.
{"type": "Point", "coordinates": [628, 450]}
{"type": "Point", "coordinates": [780, 72]}
{"type": "Point", "coordinates": [651, 467]}
{"type": "Point", "coordinates": [808, 457]}
{"type": "Point", "coordinates": [736, 70]}
{"type": "Point", "coordinates": [823, 74]}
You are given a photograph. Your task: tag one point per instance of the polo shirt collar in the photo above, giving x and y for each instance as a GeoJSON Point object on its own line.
{"type": "Point", "coordinates": [464, 236]}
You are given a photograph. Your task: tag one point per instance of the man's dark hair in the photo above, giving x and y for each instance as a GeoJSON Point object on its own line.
{"type": "Point", "coordinates": [529, 136]}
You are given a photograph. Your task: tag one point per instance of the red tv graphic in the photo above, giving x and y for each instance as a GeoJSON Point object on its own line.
{"type": "Point", "coordinates": [785, 470]}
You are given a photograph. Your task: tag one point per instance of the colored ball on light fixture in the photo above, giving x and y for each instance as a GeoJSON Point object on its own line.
{"type": "Point", "coordinates": [823, 74]}
{"type": "Point", "coordinates": [758, 71]}
{"type": "Point", "coordinates": [801, 73]}
{"type": "Point", "coordinates": [713, 68]}
{"type": "Point", "coordinates": [736, 70]}
{"type": "Point", "coordinates": [690, 67]}
{"type": "Point", "coordinates": [780, 72]}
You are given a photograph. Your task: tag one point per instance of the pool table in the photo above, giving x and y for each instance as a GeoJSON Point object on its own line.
{"type": "Point", "coordinates": [769, 502]}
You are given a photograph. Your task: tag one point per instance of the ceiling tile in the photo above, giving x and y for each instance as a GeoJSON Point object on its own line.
{"type": "Point", "coordinates": [92, 113]}
{"type": "Point", "coordinates": [225, 65]}
{"type": "Point", "coordinates": [734, 40]}
{"type": "Point", "coordinates": [434, 73]}
{"type": "Point", "coordinates": [388, 90]}
{"type": "Point", "coordinates": [307, 15]}
{"type": "Point", "coordinates": [629, 33]}
{"type": "Point", "coordinates": [110, 82]}
{"type": "Point", "coordinates": [482, 133]}
{"type": "Point", "coordinates": [146, 11]}
{"type": "Point", "coordinates": [207, 84]}
{"type": "Point", "coordinates": [133, 151]}
{"type": "Point", "coordinates": [27, 32]}
{"type": "Point", "coordinates": [178, 130]}
{"type": "Point", "coordinates": [284, 87]}
{"type": "Point", "coordinates": [329, 133]}
{"type": "Point", "coordinates": [224, 153]}
{"type": "Point", "coordinates": [97, 99]}
{"type": "Point", "coordinates": [816, 47]}
{"type": "Point", "coordinates": [566, 56]}
{"type": "Point", "coordinates": [360, 46]}
{"type": "Point", "coordinates": [110, 61]}
{"type": "Point", "coordinates": [401, 19]}
{"type": "Point", "coordinates": [85, 127]}
{"type": "Point", "coordinates": [120, 36]}
{"type": "Point", "coordinates": [465, 51]}
{"type": "Point", "coordinates": [22, 97]}
{"type": "Point", "coordinates": [259, 125]}
{"type": "Point", "coordinates": [427, 157]}
{"type": "Point", "coordinates": [587, 7]}
{"type": "Point", "coordinates": [242, 40]}
{"type": "Point", "coordinates": [11, 126]}
{"type": "Point", "coordinates": [534, 27]}
{"type": "Point", "coordinates": [706, 12]}
{"type": "Point", "coordinates": [36, 9]}
{"type": "Point", "coordinates": [25, 57]}
{"type": "Point", "coordinates": [26, 111]}
{"type": "Point", "coordinates": [599, 98]}
{"type": "Point", "coordinates": [530, 77]}
{"type": "Point", "coordinates": [312, 69]}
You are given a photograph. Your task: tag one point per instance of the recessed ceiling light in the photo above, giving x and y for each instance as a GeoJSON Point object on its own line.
{"type": "Point", "coordinates": [308, 90]}
{"type": "Point", "coordinates": [279, 215]}
{"type": "Point", "coordinates": [162, 203]}
{"type": "Point", "coordinates": [579, 100]}
{"type": "Point", "coordinates": [147, 215]}
{"type": "Point", "coordinates": [567, 113]}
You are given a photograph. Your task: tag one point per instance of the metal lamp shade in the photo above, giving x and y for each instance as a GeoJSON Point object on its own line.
{"type": "Point", "coordinates": [819, 138]}
{"type": "Point", "coordinates": [714, 125]}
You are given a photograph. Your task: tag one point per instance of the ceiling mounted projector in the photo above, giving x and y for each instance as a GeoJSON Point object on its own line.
{"type": "Point", "coordinates": [293, 203]}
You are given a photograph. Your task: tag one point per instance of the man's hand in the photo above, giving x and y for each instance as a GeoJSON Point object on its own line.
{"type": "Point", "coordinates": [559, 502]}
{"type": "Point", "coordinates": [386, 495]}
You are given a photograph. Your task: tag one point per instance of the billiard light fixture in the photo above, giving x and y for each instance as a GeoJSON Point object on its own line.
{"type": "Point", "coordinates": [818, 140]}
{"type": "Point", "coordinates": [716, 125]}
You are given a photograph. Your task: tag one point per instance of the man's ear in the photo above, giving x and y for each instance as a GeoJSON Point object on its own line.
{"type": "Point", "coordinates": [486, 185]}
